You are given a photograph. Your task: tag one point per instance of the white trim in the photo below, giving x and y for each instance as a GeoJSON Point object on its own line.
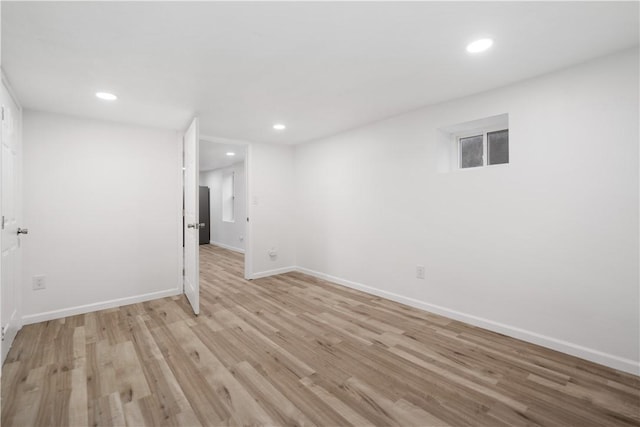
{"type": "Point", "coordinates": [180, 216]}
{"type": "Point", "coordinates": [248, 229]}
{"type": "Point", "coordinates": [87, 308]}
{"type": "Point", "coordinates": [274, 272]}
{"type": "Point", "coordinates": [222, 245]}
{"type": "Point", "coordinates": [610, 360]}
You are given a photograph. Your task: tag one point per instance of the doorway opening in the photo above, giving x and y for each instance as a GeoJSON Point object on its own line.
{"type": "Point", "coordinates": [223, 207]}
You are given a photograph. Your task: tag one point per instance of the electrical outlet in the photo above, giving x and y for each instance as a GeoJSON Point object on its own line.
{"type": "Point", "coordinates": [39, 283]}
{"type": "Point", "coordinates": [419, 271]}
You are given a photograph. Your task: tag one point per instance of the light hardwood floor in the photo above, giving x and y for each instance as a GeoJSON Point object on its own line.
{"type": "Point", "coordinates": [294, 350]}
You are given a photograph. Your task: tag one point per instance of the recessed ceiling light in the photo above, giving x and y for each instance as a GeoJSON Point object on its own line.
{"type": "Point", "coordinates": [279, 126]}
{"type": "Point", "coordinates": [106, 96]}
{"type": "Point", "coordinates": [479, 45]}
{"type": "Point", "coordinates": [230, 153]}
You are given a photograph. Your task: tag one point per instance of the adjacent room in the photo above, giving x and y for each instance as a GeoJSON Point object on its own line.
{"type": "Point", "coordinates": [222, 209]}
{"type": "Point", "coordinates": [320, 213]}
{"type": "Point", "coordinates": [223, 195]}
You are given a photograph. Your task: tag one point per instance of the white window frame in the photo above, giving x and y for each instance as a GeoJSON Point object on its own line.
{"type": "Point", "coordinates": [232, 177]}
{"type": "Point", "coordinates": [485, 145]}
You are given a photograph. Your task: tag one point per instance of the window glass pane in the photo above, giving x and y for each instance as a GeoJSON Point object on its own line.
{"type": "Point", "coordinates": [471, 151]}
{"type": "Point", "coordinates": [498, 147]}
{"type": "Point", "coordinates": [227, 197]}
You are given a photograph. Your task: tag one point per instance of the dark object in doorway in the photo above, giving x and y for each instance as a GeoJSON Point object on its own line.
{"type": "Point", "coordinates": [205, 232]}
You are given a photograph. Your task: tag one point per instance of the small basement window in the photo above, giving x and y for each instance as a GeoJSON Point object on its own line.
{"type": "Point", "coordinates": [473, 144]}
{"type": "Point", "coordinates": [228, 197]}
{"type": "Point", "coordinates": [483, 148]}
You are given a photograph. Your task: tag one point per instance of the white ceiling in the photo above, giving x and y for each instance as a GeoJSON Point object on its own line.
{"type": "Point", "coordinates": [318, 67]}
{"type": "Point", "coordinates": [213, 155]}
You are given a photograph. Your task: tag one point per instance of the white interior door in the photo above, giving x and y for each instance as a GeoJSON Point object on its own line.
{"type": "Point", "coordinates": [9, 209]}
{"type": "Point", "coordinates": [191, 217]}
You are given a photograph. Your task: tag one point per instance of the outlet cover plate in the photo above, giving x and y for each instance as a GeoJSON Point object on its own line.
{"type": "Point", "coordinates": [39, 283]}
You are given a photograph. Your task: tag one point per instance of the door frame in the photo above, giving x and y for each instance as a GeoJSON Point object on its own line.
{"type": "Point", "coordinates": [248, 231]}
{"type": "Point", "coordinates": [15, 322]}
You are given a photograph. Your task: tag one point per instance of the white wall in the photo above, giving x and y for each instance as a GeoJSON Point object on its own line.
{"type": "Point", "coordinates": [224, 233]}
{"type": "Point", "coordinates": [102, 202]}
{"type": "Point", "coordinates": [272, 208]}
{"type": "Point", "coordinates": [545, 249]}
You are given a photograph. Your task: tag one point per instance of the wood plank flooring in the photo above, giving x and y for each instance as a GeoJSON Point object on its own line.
{"type": "Point", "coordinates": [294, 350]}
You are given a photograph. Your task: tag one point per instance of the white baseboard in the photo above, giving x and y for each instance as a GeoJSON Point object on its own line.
{"type": "Point", "coordinates": [273, 272]}
{"type": "Point", "coordinates": [224, 246]}
{"type": "Point", "coordinates": [87, 308]}
{"type": "Point", "coordinates": [610, 360]}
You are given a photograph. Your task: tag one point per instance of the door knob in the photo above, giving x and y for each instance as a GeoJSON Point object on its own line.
{"type": "Point", "coordinates": [23, 230]}
{"type": "Point", "coordinates": [191, 225]}
{"type": "Point", "coordinates": [196, 226]}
